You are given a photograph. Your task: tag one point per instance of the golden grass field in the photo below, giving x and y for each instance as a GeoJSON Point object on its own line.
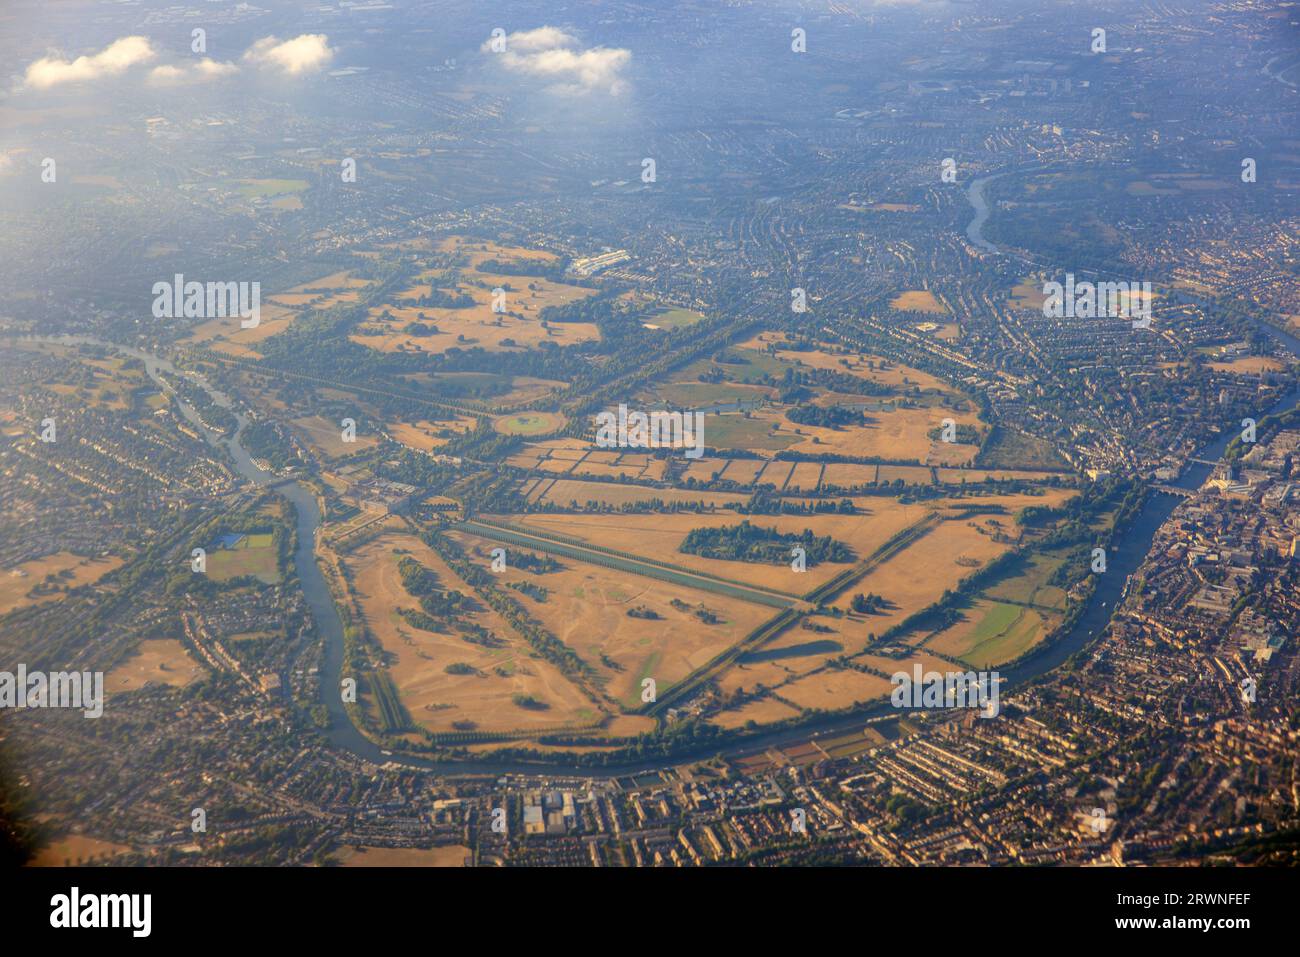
{"type": "Point", "coordinates": [918, 300]}
{"type": "Point", "coordinates": [226, 336]}
{"type": "Point", "coordinates": [970, 476]}
{"type": "Point", "coordinates": [917, 576]}
{"type": "Point", "coordinates": [748, 676]}
{"type": "Point", "coordinates": [763, 711]}
{"type": "Point", "coordinates": [76, 849]}
{"type": "Point", "coordinates": [831, 690]}
{"type": "Point", "coordinates": [161, 660]}
{"type": "Point", "coordinates": [776, 474]}
{"type": "Point", "coordinates": [576, 456]}
{"type": "Point", "coordinates": [1249, 365]}
{"type": "Point", "coordinates": [892, 431]}
{"type": "Point", "coordinates": [529, 388]}
{"type": "Point", "coordinates": [564, 491]}
{"type": "Point", "coordinates": [434, 698]}
{"type": "Point", "coordinates": [864, 366]}
{"type": "Point", "coordinates": [17, 581]}
{"type": "Point", "coordinates": [891, 434]}
{"type": "Point", "coordinates": [743, 471]}
{"type": "Point", "coordinates": [423, 434]}
{"type": "Point", "coordinates": [447, 855]}
{"type": "Point", "coordinates": [807, 476]}
{"type": "Point", "coordinates": [526, 297]}
{"type": "Point", "coordinates": [910, 474]}
{"type": "Point", "coordinates": [325, 437]}
{"type": "Point", "coordinates": [587, 610]}
{"type": "Point", "coordinates": [1028, 294]}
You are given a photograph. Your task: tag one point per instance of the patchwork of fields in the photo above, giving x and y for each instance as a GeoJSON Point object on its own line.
{"type": "Point", "coordinates": [601, 620]}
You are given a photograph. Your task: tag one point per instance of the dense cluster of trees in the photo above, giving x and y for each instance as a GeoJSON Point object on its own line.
{"type": "Point", "coordinates": [798, 381]}
{"type": "Point", "coordinates": [422, 584]}
{"type": "Point", "coordinates": [868, 604]}
{"type": "Point", "coordinates": [535, 592]}
{"type": "Point", "coordinates": [542, 268]}
{"type": "Point", "coordinates": [963, 434]}
{"type": "Point", "coordinates": [532, 562]}
{"type": "Point", "coordinates": [442, 299]}
{"type": "Point", "coordinates": [825, 417]}
{"type": "Point", "coordinates": [751, 543]}
{"type": "Point", "coordinates": [266, 441]}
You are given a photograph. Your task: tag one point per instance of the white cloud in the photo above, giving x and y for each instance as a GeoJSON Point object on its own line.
{"type": "Point", "coordinates": [205, 69]}
{"type": "Point", "coordinates": [533, 41]}
{"type": "Point", "coordinates": [303, 54]}
{"type": "Point", "coordinates": [551, 54]}
{"type": "Point", "coordinates": [118, 56]}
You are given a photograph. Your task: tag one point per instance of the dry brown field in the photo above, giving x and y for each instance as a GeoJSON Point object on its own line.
{"type": "Point", "coordinates": [846, 476]}
{"type": "Point", "coordinates": [76, 849]}
{"type": "Point", "coordinates": [422, 435]}
{"type": "Point", "coordinates": [326, 437]}
{"type": "Point", "coordinates": [918, 300]}
{"type": "Point", "coordinates": [862, 365]}
{"type": "Point", "coordinates": [587, 610]}
{"type": "Point", "coordinates": [1028, 295]}
{"type": "Point", "coordinates": [955, 476]}
{"type": "Point", "coordinates": [763, 711]}
{"type": "Point", "coordinates": [770, 673]}
{"type": "Point", "coordinates": [563, 491]}
{"type": "Point", "coordinates": [478, 325]}
{"type": "Point", "coordinates": [806, 477]}
{"type": "Point", "coordinates": [433, 698]}
{"type": "Point", "coordinates": [775, 474]}
{"type": "Point", "coordinates": [600, 470]}
{"type": "Point", "coordinates": [898, 434]}
{"type": "Point", "coordinates": [526, 297]}
{"type": "Point", "coordinates": [226, 335]}
{"type": "Point", "coordinates": [14, 587]}
{"type": "Point", "coordinates": [161, 660]}
{"type": "Point", "coordinates": [528, 388]}
{"type": "Point", "coordinates": [831, 690]}
{"type": "Point", "coordinates": [448, 855]}
{"type": "Point", "coordinates": [1249, 365]}
{"type": "Point", "coordinates": [910, 474]}
{"type": "Point", "coordinates": [891, 666]}
{"type": "Point", "coordinates": [556, 465]}
{"type": "Point", "coordinates": [917, 577]}
{"type": "Point", "coordinates": [704, 469]}
{"type": "Point", "coordinates": [743, 471]}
